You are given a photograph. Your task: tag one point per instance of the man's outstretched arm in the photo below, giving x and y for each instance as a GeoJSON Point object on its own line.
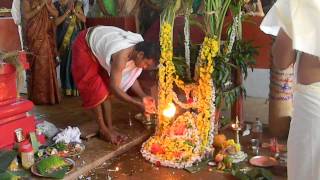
{"type": "Point", "coordinates": [136, 88]}
{"type": "Point", "coordinates": [118, 64]}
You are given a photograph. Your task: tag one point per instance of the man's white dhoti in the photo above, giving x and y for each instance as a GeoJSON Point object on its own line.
{"type": "Point", "coordinates": [304, 135]}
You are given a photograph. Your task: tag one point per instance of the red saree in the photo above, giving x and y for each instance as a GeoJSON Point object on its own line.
{"type": "Point", "coordinates": [42, 77]}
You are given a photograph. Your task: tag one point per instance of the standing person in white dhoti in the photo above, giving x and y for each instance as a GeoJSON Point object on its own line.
{"type": "Point", "coordinates": [296, 23]}
{"type": "Point", "coordinates": [106, 60]}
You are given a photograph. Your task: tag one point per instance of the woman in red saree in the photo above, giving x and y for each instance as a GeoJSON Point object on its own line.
{"type": "Point", "coordinates": [39, 30]}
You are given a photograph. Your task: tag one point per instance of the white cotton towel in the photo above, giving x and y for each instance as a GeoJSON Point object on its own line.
{"type": "Point", "coordinates": [299, 19]}
{"type": "Point", "coordinates": [104, 41]}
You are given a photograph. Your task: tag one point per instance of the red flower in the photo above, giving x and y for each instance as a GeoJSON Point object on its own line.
{"type": "Point", "coordinates": [158, 163]}
{"type": "Point", "coordinates": [156, 149]}
{"type": "Point", "coordinates": [180, 129]}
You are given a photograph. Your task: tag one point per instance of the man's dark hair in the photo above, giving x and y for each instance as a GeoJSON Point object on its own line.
{"type": "Point", "coordinates": [151, 50]}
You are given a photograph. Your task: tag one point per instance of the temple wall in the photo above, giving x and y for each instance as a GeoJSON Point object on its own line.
{"type": "Point", "coordinates": [9, 37]}
{"type": "Point", "coordinates": [257, 83]}
{"type": "Point", "coordinates": [5, 3]}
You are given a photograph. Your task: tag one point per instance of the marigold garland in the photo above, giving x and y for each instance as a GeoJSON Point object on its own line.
{"type": "Point", "coordinates": [179, 142]}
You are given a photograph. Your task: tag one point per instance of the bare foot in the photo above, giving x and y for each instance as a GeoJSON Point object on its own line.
{"type": "Point", "coordinates": [109, 136]}
{"type": "Point", "coordinates": [119, 135]}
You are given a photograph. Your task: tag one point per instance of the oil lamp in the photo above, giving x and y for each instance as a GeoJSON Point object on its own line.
{"type": "Point", "coordinates": [170, 110]}
{"type": "Point", "coordinates": [236, 127]}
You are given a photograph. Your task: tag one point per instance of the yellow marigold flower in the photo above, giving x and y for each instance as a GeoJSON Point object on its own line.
{"type": "Point", "coordinates": [238, 147]}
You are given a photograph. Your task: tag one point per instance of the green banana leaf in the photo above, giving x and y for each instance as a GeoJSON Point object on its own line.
{"type": "Point", "coordinates": [6, 158]}
{"type": "Point", "coordinates": [57, 174]}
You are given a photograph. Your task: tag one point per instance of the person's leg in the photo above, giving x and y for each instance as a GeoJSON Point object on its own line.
{"type": "Point", "coordinates": [107, 116]}
{"type": "Point", "coordinates": [91, 85]}
{"type": "Point", "coordinates": [104, 132]}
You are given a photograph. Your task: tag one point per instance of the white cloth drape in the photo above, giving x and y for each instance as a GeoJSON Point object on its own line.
{"type": "Point", "coordinates": [107, 40]}
{"type": "Point", "coordinates": [300, 19]}
{"type": "Point", "coordinates": [304, 135]}
{"type": "Point", "coordinates": [15, 12]}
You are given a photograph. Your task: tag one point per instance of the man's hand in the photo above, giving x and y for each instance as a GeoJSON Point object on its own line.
{"type": "Point", "coordinates": [149, 104]}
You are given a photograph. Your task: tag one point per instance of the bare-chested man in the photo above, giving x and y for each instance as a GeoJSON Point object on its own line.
{"type": "Point", "coordinates": [296, 25]}
{"type": "Point", "coordinates": [106, 60]}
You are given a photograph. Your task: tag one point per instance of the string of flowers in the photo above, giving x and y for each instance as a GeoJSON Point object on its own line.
{"type": "Point", "coordinates": [181, 141]}
{"type": "Point", "coordinates": [186, 31]}
{"type": "Point", "coordinates": [233, 34]}
{"type": "Point", "coordinates": [166, 71]}
{"type": "Point", "coordinates": [184, 140]}
{"type": "Point", "coordinates": [208, 51]}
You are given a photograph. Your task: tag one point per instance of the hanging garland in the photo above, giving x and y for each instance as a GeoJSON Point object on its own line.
{"type": "Point", "coordinates": [181, 141]}
{"type": "Point", "coordinates": [186, 31]}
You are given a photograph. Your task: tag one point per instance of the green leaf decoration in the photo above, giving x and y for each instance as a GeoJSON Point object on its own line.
{"type": "Point", "coordinates": [7, 176]}
{"type": "Point", "coordinates": [13, 175]}
{"type": "Point", "coordinates": [242, 176]}
{"type": "Point", "coordinates": [60, 146]}
{"type": "Point", "coordinates": [266, 174]}
{"type": "Point", "coordinates": [198, 167]}
{"type": "Point", "coordinates": [59, 174]}
{"type": "Point", "coordinates": [20, 173]}
{"type": "Point", "coordinates": [6, 158]}
{"type": "Point", "coordinates": [253, 174]}
{"type": "Point", "coordinates": [53, 166]}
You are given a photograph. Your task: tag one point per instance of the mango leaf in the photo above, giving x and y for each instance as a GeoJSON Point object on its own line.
{"type": "Point", "coordinates": [20, 173]}
{"type": "Point", "coordinates": [266, 174]}
{"type": "Point", "coordinates": [224, 121]}
{"type": "Point", "coordinates": [244, 91]}
{"type": "Point", "coordinates": [57, 174]}
{"type": "Point", "coordinates": [218, 100]}
{"type": "Point", "coordinates": [232, 97]}
{"type": "Point", "coordinates": [253, 173]}
{"type": "Point", "coordinates": [227, 100]}
{"type": "Point", "coordinates": [198, 167]}
{"type": "Point", "coordinates": [7, 176]}
{"type": "Point", "coordinates": [11, 175]}
{"type": "Point", "coordinates": [226, 76]}
{"type": "Point", "coordinates": [6, 158]}
{"type": "Point", "coordinates": [242, 176]}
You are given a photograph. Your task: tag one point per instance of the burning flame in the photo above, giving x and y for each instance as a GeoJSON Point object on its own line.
{"type": "Point", "coordinates": [170, 110]}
